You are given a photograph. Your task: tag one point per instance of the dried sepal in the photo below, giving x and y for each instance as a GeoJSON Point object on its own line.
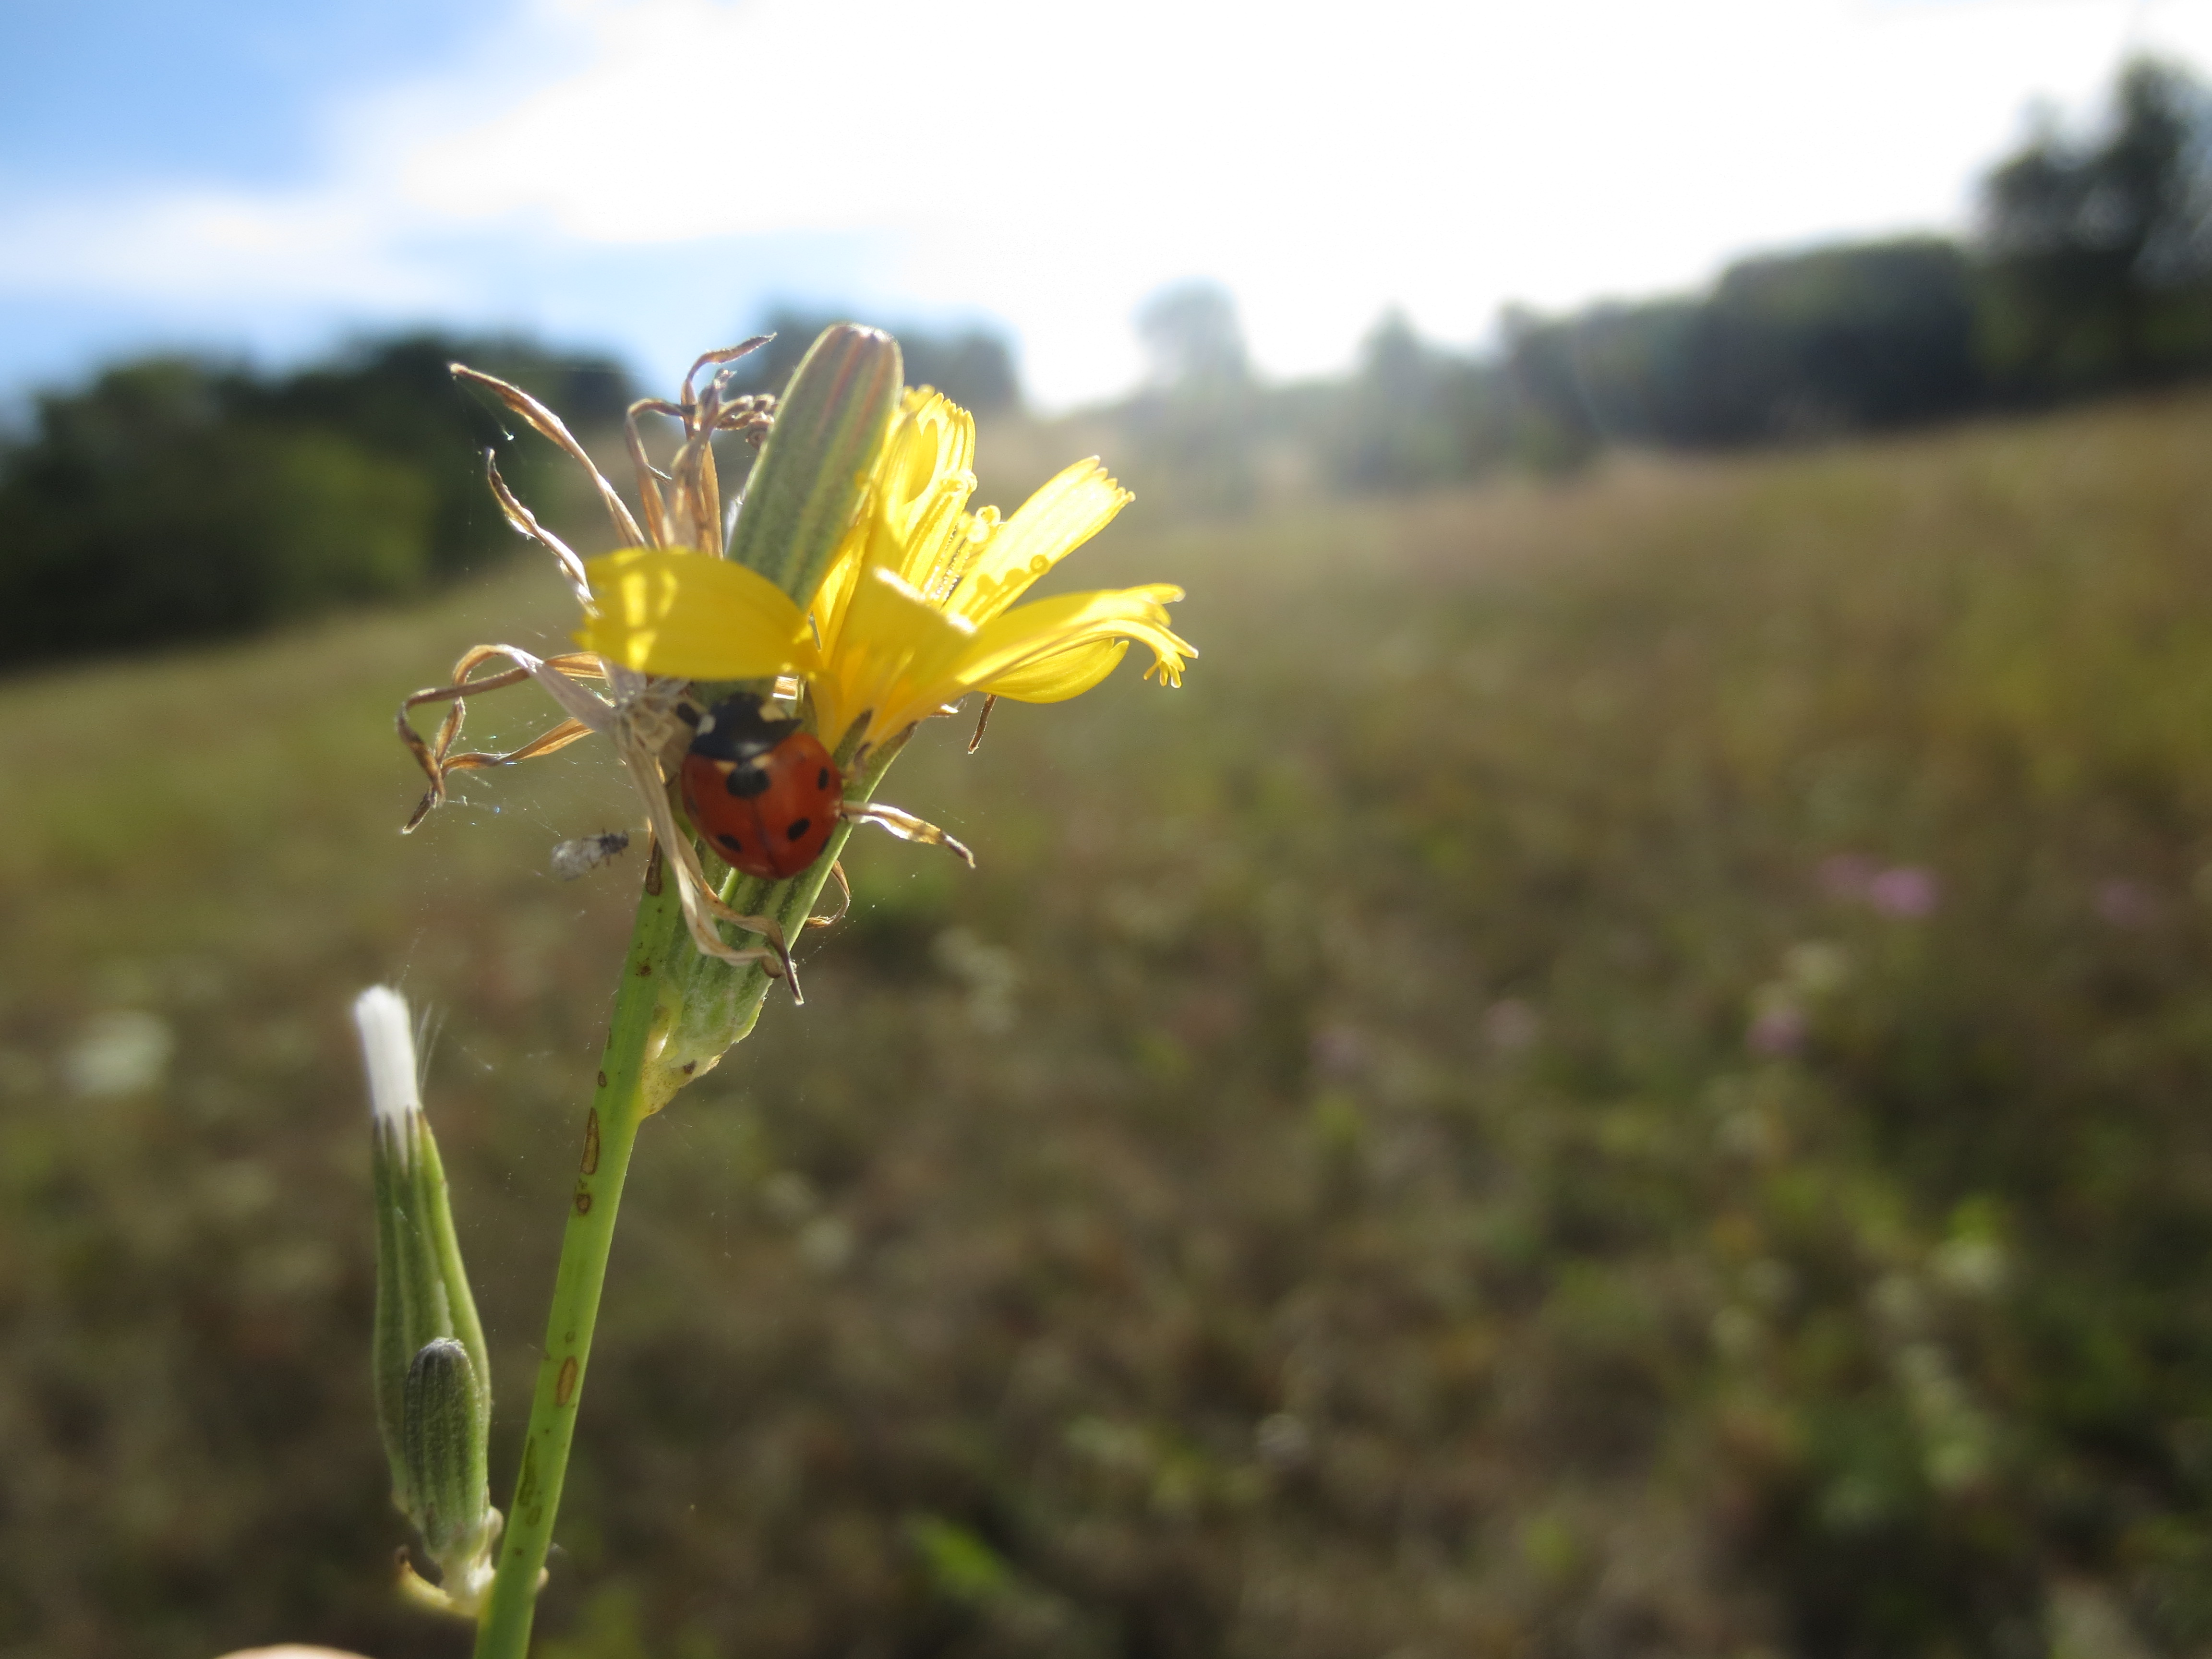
{"type": "Point", "coordinates": [844, 898]}
{"type": "Point", "coordinates": [689, 513]}
{"type": "Point", "coordinates": [642, 721]}
{"type": "Point", "coordinates": [525, 523]}
{"type": "Point", "coordinates": [550, 426]}
{"type": "Point", "coordinates": [751, 417]}
{"type": "Point", "coordinates": [697, 488]}
{"type": "Point", "coordinates": [907, 827]}
{"type": "Point", "coordinates": [587, 713]}
{"type": "Point", "coordinates": [648, 475]}
{"type": "Point", "coordinates": [982, 720]}
{"type": "Point", "coordinates": [717, 357]}
{"type": "Point", "coordinates": [697, 513]}
{"type": "Point", "coordinates": [696, 517]}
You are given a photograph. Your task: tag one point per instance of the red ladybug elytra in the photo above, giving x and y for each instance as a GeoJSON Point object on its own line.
{"type": "Point", "coordinates": [763, 791]}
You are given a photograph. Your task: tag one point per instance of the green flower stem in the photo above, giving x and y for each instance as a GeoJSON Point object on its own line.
{"type": "Point", "coordinates": [673, 1003]}
{"type": "Point", "coordinates": [619, 1104]}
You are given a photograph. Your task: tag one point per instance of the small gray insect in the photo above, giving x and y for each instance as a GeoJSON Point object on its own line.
{"type": "Point", "coordinates": [572, 859]}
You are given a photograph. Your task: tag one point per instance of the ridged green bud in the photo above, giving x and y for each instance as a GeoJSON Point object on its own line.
{"type": "Point", "coordinates": [431, 1374]}
{"type": "Point", "coordinates": [444, 1451]}
{"type": "Point", "coordinates": [806, 487]}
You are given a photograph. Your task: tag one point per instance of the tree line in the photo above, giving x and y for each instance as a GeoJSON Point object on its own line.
{"type": "Point", "coordinates": [172, 499]}
{"type": "Point", "coordinates": [2089, 272]}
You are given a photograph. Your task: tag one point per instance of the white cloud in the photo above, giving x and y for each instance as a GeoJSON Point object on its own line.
{"type": "Point", "coordinates": [1051, 165]}
{"type": "Point", "coordinates": [204, 245]}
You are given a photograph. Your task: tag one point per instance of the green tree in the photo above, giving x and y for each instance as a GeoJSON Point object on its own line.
{"type": "Point", "coordinates": [170, 500]}
{"type": "Point", "coordinates": [2100, 244]}
{"type": "Point", "coordinates": [396, 399]}
{"type": "Point", "coordinates": [145, 512]}
{"type": "Point", "coordinates": [1857, 337]}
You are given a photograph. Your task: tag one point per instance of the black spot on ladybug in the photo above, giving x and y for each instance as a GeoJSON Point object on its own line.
{"type": "Point", "coordinates": [760, 787]}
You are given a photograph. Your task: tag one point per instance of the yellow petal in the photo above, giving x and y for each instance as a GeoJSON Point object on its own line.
{"type": "Point", "coordinates": [932, 439]}
{"type": "Point", "coordinates": [693, 617]}
{"type": "Point", "coordinates": [935, 534]}
{"type": "Point", "coordinates": [1030, 635]}
{"type": "Point", "coordinates": [1056, 678]}
{"type": "Point", "coordinates": [894, 660]}
{"type": "Point", "coordinates": [913, 525]}
{"type": "Point", "coordinates": [836, 590]}
{"type": "Point", "coordinates": [1067, 512]}
{"type": "Point", "coordinates": [922, 484]}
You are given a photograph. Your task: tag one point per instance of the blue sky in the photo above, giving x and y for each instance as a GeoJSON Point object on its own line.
{"type": "Point", "coordinates": [93, 92]}
{"type": "Point", "coordinates": [645, 176]}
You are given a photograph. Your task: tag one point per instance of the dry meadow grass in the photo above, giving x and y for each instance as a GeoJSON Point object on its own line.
{"type": "Point", "coordinates": [1623, 1073]}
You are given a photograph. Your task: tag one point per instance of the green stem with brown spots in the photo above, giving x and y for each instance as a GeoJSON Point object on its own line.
{"type": "Point", "coordinates": [619, 1104]}
{"type": "Point", "coordinates": [675, 1015]}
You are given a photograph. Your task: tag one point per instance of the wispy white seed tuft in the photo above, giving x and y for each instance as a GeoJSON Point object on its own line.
{"type": "Point", "coordinates": [387, 1045]}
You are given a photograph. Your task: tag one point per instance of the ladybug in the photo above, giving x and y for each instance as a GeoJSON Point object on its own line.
{"type": "Point", "coordinates": [761, 790]}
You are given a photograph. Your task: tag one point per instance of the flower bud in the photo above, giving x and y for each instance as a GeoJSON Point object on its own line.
{"type": "Point", "coordinates": [434, 1414]}
{"type": "Point", "coordinates": [445, 1454]}
{"type": "Point", "coordinates": [806, 487]}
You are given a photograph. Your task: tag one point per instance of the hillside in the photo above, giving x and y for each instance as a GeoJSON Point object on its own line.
{"type": "Point", "coordinates": [1624, 1070]}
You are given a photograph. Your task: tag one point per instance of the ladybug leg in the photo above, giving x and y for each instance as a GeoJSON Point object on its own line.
{"type": "Point", "coordinates": [844, 900]}
{"type": "Point", "coordinates": [702, 906]}
{"type": "Point", "coordinates": [905, 826]}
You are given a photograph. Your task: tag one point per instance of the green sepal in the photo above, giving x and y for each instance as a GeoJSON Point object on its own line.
{"type": "Point", "coordinates": [422, 1288]}
{"type": "Point", "coordinates": [813, 471]}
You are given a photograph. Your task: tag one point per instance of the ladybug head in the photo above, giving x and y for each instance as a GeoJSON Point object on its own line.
{"type": "Point", "coordinates": [739, 729]}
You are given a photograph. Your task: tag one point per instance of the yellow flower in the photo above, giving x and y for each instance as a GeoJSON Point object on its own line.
{"type": "Point", "coordinates": [917, 609]}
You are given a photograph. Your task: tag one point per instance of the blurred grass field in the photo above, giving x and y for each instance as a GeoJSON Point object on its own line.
{"type": "Point", "coordinates": [1624, 1071]}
